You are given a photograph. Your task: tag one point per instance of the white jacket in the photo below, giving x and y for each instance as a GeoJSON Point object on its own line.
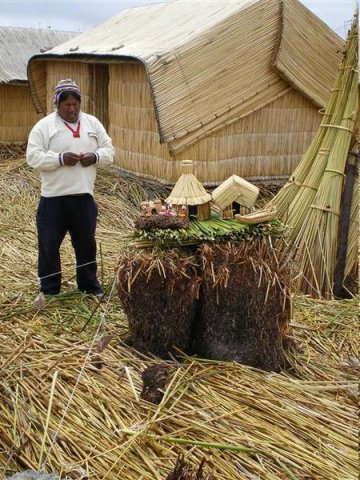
{"type": "Point", "coordinates": [50, 137]}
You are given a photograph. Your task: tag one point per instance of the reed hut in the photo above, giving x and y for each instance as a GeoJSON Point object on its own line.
{"type": "Point", "coordinates": [235, 195]}
{"type": "Point", "coordinates": [188, 196]}
{"type": "Point", "coordinates": [237, 86]}
{"type": "Point", "coordinates": [17, 45]}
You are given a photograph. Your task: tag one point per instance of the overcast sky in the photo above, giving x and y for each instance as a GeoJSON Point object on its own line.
{"type": "Point", "coordinates": [80, 15]}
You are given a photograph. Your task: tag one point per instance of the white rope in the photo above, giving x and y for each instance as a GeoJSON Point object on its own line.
{"type": "Point", "coordinates": [58, 273]}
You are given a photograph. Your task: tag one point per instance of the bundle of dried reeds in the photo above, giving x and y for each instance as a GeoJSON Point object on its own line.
{"type": "Point", "coordinates": [316, 242]}
{"type": "Point", "coordinates": [311, 201]}
{"type": "Point", "coordinates": [157, 290]}
{"type": "Point", "coordinates": [245, 303]}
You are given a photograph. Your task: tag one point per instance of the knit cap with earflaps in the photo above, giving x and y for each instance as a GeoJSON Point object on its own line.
{"type": "Point", "coordinates": [67, 85]}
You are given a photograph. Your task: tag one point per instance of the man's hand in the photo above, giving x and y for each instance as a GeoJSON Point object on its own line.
{"type": "Point", "coordinates": [87, 159]}
{"type": "Point", "coordinates": [70, 159]}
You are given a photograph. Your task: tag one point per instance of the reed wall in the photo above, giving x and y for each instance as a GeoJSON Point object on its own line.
{"type": "Point", "coordinates": [17, 113]}
{"type": "Point", "coordinates": [78, 71]}
{"type": "Point", "coordinates": [133, 126]}
{"type": "Point", "coordinates": [267, 143]}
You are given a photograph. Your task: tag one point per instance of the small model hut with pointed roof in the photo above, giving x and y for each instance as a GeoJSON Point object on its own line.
{"type": "Point", "coordinates": [188, 196]}
{"type": "Point", "coordinates": [235, 194]}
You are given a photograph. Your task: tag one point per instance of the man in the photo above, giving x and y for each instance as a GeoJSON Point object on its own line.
{"type": "Point", "coordinates": [66, 147]}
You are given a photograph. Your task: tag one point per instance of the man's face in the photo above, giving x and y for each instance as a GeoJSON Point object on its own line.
{"type": "Point", "coordinates": [69, 109]}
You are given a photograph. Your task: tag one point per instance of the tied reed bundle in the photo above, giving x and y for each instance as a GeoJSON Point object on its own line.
{"type": "Point", "coordinates": [310, 203]}
{"type": "Point", "coordinates": [316, 242]}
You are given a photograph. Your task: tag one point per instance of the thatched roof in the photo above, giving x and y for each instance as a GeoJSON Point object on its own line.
{"type": "Point", "coordinates": [210, 63]}
{"type": "Point", "coordinates": [17, 45]}
{"type": "Point", "coordinates": [188, 190]}
{"type": "Point", "coordinates": [235, 189]}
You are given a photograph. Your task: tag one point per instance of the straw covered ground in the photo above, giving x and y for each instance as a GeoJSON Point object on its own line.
{"type": "Point", "coordinates": [70, 385]}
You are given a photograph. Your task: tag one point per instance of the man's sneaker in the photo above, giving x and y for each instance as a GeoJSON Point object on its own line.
{"type": "Point", "coordinates": [95, 293]}
{"type": "Point", "coordinates": [99, 294]}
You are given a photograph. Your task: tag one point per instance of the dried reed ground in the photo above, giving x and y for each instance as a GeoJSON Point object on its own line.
{"type": "Point", "coordinates": [61, 412]}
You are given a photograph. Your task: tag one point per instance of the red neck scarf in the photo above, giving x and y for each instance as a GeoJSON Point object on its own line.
{"type": "Point", "coordinates": [76, 132]}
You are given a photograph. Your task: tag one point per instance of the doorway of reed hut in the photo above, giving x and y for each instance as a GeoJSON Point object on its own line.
{"type": "Point", "coordinates": [100, 92]}
{"type": "Point", "coordinates": [193, 211]}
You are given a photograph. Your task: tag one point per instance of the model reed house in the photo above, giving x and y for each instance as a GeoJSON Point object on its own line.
{"type": "Point", "coordinates": [17, 45]}
{"type": "Point", "coordinates": [237, 86]}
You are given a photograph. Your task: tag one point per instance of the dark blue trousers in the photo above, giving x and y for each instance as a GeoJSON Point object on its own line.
{"type": "Point", "coordinates": [56, 216]}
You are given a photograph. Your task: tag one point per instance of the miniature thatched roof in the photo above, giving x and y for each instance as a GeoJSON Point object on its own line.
{"type": "Point", "coordinates": [235, 189]}
{"type": "Point", "coordinates": [210, 63]}
{"type": "Point", "coordinates": [188, 190]}
{"type": "Point", "coordinates": [17, 45]}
